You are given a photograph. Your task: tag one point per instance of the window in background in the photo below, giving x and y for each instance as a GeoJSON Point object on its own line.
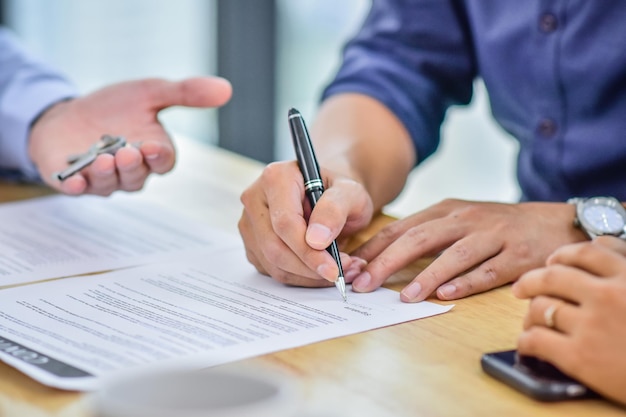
{"type": "Point", "coordinates": [310, 36]}
{"type": "Point", "coordinates": [476, 160]}
{"type": "Point", "coordinates": [102, 42]}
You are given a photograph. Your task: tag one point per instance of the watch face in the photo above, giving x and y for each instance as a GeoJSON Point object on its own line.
{"type": "Point", "coordinates": [603, 219]}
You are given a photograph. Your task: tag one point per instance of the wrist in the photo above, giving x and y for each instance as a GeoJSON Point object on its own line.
{"type": "Point", "coordinates": [37, 130]}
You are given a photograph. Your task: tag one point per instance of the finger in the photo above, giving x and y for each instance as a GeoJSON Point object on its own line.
{"type": "Point", "coordinates": [257, 247]}
{"type": "Point", "coordinates": [458, 258]}
{"type": "Point", "coordinates": [285, 193]}
{"type": "Point", "coordinates": [547, 345]}
{"type": "Point", "coordinates": [258, 230]}
{"type": "Point", "coordinates": [286, 268]}
{"type": "Point", "coordinates": [379, 242]}
{"type": "Point", "coordinates": [289, 278]}
{"type": "Point", "coordinates": [415, 243]}
{"type": "Point", "coordinates": [595, 259]}
{"type": "Point", "coordinates": [267, 268]}
{"type": "Point", "coordinates": [191, 92]}
{"type": "Point", "coordinates": [563, 316]}
{"type": "Point", "coordinates": [74, 185]}
{"type": "Point", "coordinates": [611, 242]}
{"type": "Point", "coordinates": [101, 176]}
{"type": "Point", "coordinates": [353, 269]}
{"type": "Point", "coordinates": [343, 206]}
{"type": "Point", "coordinates": [559, 281]}
{"type": "Point", "coordinates": [160, 157]}
{"type": "Point", "coordinates": [131, 169]}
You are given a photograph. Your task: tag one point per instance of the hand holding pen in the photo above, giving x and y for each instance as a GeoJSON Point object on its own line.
{"type": "Point", "coordinates": [313, 185]}
{"type": "Point", "coordinates": [289, 243]}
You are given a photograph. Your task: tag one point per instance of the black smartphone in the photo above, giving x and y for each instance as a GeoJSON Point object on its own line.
{"type": "Point", "coordinates": [536, 378]}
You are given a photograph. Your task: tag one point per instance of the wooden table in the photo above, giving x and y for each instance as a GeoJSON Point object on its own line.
{"type": "Point", "coordinates": [428, 367]}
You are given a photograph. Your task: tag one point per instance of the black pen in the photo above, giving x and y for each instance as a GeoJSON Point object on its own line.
{"type": "Point", "coordinates": [313, 185]}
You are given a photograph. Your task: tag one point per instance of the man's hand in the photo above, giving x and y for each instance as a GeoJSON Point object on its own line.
{"type": "Point", "coordinates": [274, 228]}
{"type": "Point", "coordinates": [479, 246]}
{"type": "Point", "coordinates": [128, 109]}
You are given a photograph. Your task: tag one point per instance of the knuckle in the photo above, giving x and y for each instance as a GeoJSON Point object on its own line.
{"type": "Point", "coordinates": [468, 211]}
{"type": "Point", "coordinates": [104, 193]}
{"type": "Point", "coordinates": [246, 197]}
{"type": "Point", "coordinates": [134, 187]}
{"type": "Point", "coordinates": [416, 235]}
{"type": "Point", "coordinates": [447, 203]}
{"type": "Point", "coordinates": [272, 251]}
{"type": "Point", "coordinates": [282, 277]}
{"type": "Point", "coordinates": [535, 309]}
{"type": "Point", "coordinates": [281, 222]}
{"type": "Point", "coordinates": [462, 253]}
{"type": "Point", "coordinates": [465, 286]}
{"type": "Point", "coordinates": [382, 263]}
{"type": "Point", "coordinates": [548, 277]}
{"type": "Point", "coordinates": [432, 277]}
{"type": "Point", "coordinates": [522, 250]}
{"type": "Point", "coordinates": [587, 252]}
{"type": "Point", "coordinates": [257, 265]}
{"type": "Point", "coordinates": [242, 226]}
{"type": "Point", "coordinates": [489, 275]}
{"type": "Point", "coordinates": [605, 295]}
{"type": "Point", "coordinates": [272, 172]}
{"type": "Point", "coordinates": [390, 231]}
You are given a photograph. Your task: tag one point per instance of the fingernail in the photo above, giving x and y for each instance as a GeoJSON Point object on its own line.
{"type": "Point", "coordinates": [411, 291]}
{"type": "Point", "coordinates": [151, 156]}
{"type": "Point", "coordinates": [318, 235]}
{"type": "Point", "coordinates": [362, 282]}
{"type": "Point", "coordinates": [327, 272]}
{"type": "Point", "coordinates": [447, 291]}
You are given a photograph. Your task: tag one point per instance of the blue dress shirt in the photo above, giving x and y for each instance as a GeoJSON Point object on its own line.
{"type": "Point", "coordinates": [555, 71]}
{"type": "Point", "coordinates": [27, 87]}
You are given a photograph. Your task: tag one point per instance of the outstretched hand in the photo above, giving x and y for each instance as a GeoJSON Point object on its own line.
{"type": "Point", "coordinates": [128, 109]}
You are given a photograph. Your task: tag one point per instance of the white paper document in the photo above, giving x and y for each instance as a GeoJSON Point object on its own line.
{"type": "Point", "coordinates": [62, 236]}
{"type": "Point", "coordinates": [71, 332]}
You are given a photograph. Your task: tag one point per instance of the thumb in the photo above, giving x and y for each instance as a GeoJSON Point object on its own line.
{"type": "Point", "coordinates": [191, 92]}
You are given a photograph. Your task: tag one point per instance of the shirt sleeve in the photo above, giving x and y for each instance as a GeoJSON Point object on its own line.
{"type": "Point", "coordinates": [27, 88]}
{"type": "Point", "coordinates": [416, 58]}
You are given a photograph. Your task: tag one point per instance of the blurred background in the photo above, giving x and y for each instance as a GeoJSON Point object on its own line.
{"type": "Point", "coordinates": [277, 53]}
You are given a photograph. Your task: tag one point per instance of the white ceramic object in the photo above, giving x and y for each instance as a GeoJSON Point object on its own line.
{"type": "Point", "coordinates": [196, 393]}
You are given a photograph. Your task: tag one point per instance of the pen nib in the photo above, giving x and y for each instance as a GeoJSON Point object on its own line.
{"type": "Point", "coordinates": [341, 286]}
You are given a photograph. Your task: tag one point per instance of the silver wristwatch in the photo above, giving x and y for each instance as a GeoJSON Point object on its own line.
{"type": "Point", "coordinates": [599, 216]}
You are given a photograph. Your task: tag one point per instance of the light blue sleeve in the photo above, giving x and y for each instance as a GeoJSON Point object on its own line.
{"type": "Point", "coordinates": [27, 88]}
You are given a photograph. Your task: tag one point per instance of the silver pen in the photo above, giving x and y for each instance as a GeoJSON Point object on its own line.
{"type": "Point", "coordinates": [313, 185]}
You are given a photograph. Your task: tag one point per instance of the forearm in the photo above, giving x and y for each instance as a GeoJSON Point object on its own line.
{"type": "Point", "coordinates": [358, 137]}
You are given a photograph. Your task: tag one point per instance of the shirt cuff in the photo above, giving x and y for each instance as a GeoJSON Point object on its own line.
{"type": "Point", "coordinates": [31, 93]}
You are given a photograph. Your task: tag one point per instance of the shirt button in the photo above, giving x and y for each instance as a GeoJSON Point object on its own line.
{"type": "Point", "coordinates": [546, 128]}
{"type": "Point", "coordinates": [548, 23]}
